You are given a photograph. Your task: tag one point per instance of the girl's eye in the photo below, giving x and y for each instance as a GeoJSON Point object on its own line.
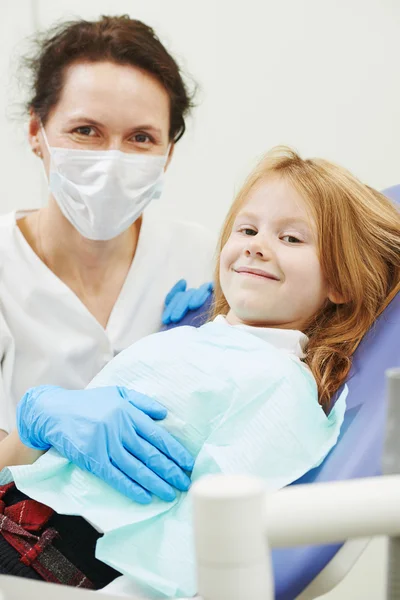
{"type": "Point", "coordinates": [291, 239]}
{"type": "Point", "coordinates": [248, 231]}
{"type": "Point", "coordinates": [86, 130]}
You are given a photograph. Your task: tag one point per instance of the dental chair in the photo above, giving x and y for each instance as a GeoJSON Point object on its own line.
{"type": "Point", "coordinates": [357, 454]}
{"type": "Point", "coordinates": [309, 571]}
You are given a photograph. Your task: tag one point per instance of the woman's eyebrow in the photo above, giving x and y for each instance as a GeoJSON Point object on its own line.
{"type": "Point", "coordinates": [148, 127]}
{"type": "Point", "coordinates": [86, 120]}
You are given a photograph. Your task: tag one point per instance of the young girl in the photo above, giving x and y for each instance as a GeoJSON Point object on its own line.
{"type": "Point", "coordinates": [355, 236]}
{"type": "Point", "coordinates": [309, 257]}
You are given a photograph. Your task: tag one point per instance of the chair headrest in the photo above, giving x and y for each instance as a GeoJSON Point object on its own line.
{"type": "Point", "coordinates": [393, 193]}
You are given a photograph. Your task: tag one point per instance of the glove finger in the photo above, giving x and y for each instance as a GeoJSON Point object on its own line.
{"type": "Point", "coordinates": [180, 286]}
{"type": "Point", "coordinates": [181, 306]}
{"type": "Point", "coordinates": [123, 484]}
{"type": "Point", "coordinates": [168, 311]}
{"type": "Point", "coordinates": [161, 439]}
{"type": "Point", "coordinates": [200, 296]}
{"type": "Point", "coordinates": [137, 471]}
{"type": "Point", "coordinates": [157, 462]}
{"type": "Point", "coordinates": [148, 405]}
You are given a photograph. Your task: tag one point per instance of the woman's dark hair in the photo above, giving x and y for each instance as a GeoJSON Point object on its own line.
{"type": "Point", "coordinates": [121, 40]}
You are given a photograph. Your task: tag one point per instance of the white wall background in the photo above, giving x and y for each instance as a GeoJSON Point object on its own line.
{"type": "Point", "coordinates": [320, 75]}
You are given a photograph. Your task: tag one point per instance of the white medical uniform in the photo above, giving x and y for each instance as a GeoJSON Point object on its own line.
{"type": "Point", "coordinates": [47, 335]}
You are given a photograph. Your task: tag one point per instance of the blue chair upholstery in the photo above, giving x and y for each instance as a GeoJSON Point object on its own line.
{"type": "Point", "coordinates": [359, 449]}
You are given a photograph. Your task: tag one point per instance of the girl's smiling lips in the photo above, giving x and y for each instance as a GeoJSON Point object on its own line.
{"type": "Point", "coordinates": [256, 273]}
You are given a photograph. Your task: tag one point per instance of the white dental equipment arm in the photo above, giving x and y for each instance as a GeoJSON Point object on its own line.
{"type": "Point", "coordinates": [391, 466]}
{"type": "Point", "coordinates": [236, 522]}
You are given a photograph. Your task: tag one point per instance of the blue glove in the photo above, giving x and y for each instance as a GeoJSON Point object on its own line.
{"type": "Point", "coordinates": [179, 300]}
{"type": "Point", "coordinates": [110, 432]}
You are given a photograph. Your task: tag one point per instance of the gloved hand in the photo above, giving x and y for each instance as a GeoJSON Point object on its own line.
{"type": "Point", "coordinates": [110, 432]}
{"type": "Point", "coordinates": [179, 300]}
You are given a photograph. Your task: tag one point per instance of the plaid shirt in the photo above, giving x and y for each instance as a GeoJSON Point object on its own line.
{"type": "Point", "coordinates": [23, 525]}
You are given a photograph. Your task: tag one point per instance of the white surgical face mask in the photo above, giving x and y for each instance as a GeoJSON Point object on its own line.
{"type": "Point", "coordinates": [102, 193]}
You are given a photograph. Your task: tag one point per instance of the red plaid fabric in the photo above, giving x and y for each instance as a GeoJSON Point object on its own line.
{"type": "Point", "coordinates": [20, 525]}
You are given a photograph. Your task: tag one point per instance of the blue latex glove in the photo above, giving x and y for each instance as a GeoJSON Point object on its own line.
{"type": "Point", "coordinates": [110, 432]}
{"type": "Point", "coordinates": [179, 300]}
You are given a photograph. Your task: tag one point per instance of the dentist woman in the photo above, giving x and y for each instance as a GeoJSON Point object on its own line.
{"type": "Point", "coordinates": [86, 276]}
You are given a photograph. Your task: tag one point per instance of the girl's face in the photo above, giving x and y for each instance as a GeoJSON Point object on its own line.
{"type": "Point", "coordinates": [269, 268]}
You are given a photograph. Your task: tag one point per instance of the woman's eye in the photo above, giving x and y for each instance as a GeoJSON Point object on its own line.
{"type": "Point", "coordinates": [142, 138]}
{"type": "Point", "coordinates": [291, 239]}
{"type": "Point", "coordinates": [85, 130]}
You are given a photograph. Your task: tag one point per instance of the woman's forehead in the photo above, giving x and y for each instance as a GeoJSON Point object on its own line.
{"type": "Point", "coordinates": [107, 91]}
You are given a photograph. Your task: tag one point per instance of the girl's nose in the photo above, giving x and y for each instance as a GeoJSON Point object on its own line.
{"type": "Point", "coordinates": [255, 247]}
{"type": "Point", "coordinates": [258, 253]}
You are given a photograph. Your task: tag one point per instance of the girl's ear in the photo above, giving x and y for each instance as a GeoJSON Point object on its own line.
{"type": "Point", "coordinates": [336, 298]}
